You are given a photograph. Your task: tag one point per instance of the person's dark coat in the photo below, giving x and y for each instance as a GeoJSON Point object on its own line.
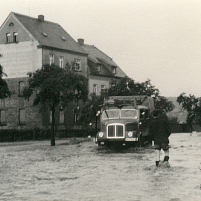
{"type": "Point", "coordinates": [159, 130]}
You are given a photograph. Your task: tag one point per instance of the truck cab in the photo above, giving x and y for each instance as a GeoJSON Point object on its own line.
{"type": "Point", "coordinates": [124, 120]}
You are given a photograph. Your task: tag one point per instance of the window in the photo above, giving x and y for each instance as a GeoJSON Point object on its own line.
{"type": "Point", "coordinates": [76, 113]}
{"type": "Point", "coordinates": [51, 57]}
{"type": "Point", "coordinates": [2, 102]}
{"type": "Point", "coordinates": [114, 70]}
{"type": "Point", "coordinates": [8, 38]}
{"type": "Point", "coordinates": [15, 37]}
{"type": "Point", "coordinates": [2, 117]}
{"type": "Point", "coordinates": [61, 61]}
{"type": "Point", "coordinates": [102, 87]}
{"type": "Point", "coordinates": [44, 34]}
{"type": "Point", "coordinates": [77, 64]}
{"type": "Point", "coordinates": [95, 88]}
{"type": "Point", "coordinates": [11, 24]}
{"type": "Point", "coordinates": [61, 117]}
{"type": "Point", "coordinates": [22, 116]}
{"type": "Point", "coordinates": [98, 68]}
{"type": "Point", "coordinates": [21, 87]}
{"type": "Point", "coordinates": [50, 117]}
{"type": "Point", "coordinates": [129, 113]}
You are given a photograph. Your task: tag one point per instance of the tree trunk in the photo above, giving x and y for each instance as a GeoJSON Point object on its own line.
{"type": "Point", "coordinates": [53, 127]}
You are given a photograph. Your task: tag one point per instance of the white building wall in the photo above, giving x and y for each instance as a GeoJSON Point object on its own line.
{"type": "Point", "coordinates": [20, 58]}
{"type": "Point", "coordinates": [99, 81]}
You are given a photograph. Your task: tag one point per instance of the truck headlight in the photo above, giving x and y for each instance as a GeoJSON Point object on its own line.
{"type": "Point", "coordinates": [130, 134]}
{"type": "Point", "coordinates": [101, 134]}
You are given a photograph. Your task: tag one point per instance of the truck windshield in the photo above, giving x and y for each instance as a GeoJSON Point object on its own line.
{"type": "Point", "coordinates": [129, 114]}
{"type": "Point", "coordinates": [110, 114]}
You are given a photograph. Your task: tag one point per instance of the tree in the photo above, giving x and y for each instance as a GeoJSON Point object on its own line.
{"type": "Point", "coordinates": [4, 90]}
{"type": "Point", "coordinates": [125, 87]}
{"type": "Point", "coordinates": [55, 86]}
{"type": "Point", "coordinates": [190, 104]}
{"type": "Point", "coordinates": [163, 103]}
{"type": "Point", "coordinates": [93, 105]}
{"type": "Point", "coordinates": [128, 87]}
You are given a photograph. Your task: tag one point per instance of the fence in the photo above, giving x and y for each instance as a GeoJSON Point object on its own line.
{"type": "Point", "coordinates": [179, 128]}
{"type": "Point", "coordinates": [41, 134]}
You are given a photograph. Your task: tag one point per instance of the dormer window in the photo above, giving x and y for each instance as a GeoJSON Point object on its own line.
{"type": "Point", "coordinates": [114, 70]}
{"type": "Point", "coordinates": [98, 68]}
{"type": "Point", "coordinates": [44, 34]}
{"type": "Point", "coordinates": [15, 37]}
{"type": "Point", "coordinates": [11, 24]}
{"type": "Point", "coordinates": [8, 38]}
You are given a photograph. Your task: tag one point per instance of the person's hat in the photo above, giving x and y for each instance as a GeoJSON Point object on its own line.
{"type": "Point", "coordinates": [156, 113]}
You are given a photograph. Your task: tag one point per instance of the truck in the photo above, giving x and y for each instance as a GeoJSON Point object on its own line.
{"type": "Point", "coordinates": [124, 120]}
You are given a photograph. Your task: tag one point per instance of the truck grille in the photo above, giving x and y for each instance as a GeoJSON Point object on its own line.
{"type": "Point", "coordinates": [115, 131]}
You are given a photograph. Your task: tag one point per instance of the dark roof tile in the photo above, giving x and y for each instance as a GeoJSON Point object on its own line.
{"type": "Point", "coordinates": [97, 56]}
{"type": "Point", "coordinates": [49, 34]}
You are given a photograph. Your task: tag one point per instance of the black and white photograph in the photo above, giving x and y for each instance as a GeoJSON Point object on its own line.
{"type": "Point", "coordinates": [100, 100]}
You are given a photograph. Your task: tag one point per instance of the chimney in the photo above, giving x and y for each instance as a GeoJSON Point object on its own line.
{"type": "Point", "coordinates": [80, 41]}
{"type": "Point", "coordinates": [41, 18]}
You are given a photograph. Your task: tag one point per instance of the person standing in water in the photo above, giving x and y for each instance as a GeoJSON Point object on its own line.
{"type": "Point", "coordinates": [159, 132]}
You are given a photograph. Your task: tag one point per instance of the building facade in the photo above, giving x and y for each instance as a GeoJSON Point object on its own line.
{"type": "Point", "coordinates": [26, 44]}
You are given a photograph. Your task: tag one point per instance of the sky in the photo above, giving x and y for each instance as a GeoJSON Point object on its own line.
{"type": "Point", "coordinates": [158, 40]}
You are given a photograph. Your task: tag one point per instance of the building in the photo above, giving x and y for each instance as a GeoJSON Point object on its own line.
{"type": "Point", "coordinates": [26, 44]}
{"type": "Point", "coordinates": [101, 68]}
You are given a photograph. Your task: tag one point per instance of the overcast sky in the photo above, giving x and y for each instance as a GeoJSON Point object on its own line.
{"type": "Point", "coordinates": [158, 40]}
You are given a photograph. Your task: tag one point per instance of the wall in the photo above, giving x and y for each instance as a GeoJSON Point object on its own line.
{"type": "Point", "coordinates": [23, 35]}
{"type": "Point", "coordinates": [19, 58]}
{"type": "Point", "coordinates": [68, 57]}
{"type": "Point", "coordinates": [35, 117]}
{"type": "Point", "coordinates": [99, 81]}
{"type": "Point", "coordinates": [14, 103]}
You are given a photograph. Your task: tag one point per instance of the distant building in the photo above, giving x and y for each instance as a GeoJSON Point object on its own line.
{"type": "Point", "coordinates": [26, 44]}
{"type": "Point", "coordinates": [101, 68]}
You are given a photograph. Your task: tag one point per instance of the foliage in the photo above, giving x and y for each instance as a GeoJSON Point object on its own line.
{"type": "Point", "coordinates": [173, 120]}
{"type": "Point", "coordinates": [55, 86]}
{"type": "Point", "coordinates": [162, 103]}
{"type": "Point", "coordinates": [192, 105]}
{"type": "Point", "coordinates": [93, 105]}
{"type": "Point", "coordinates": [125, 87]}
{"type": "Point", "coordinates": [4, 90]}
{"type": "Point", "coordinates": [188, 103]}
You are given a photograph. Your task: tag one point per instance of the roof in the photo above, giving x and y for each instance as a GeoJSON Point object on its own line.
{"type": "Point", "coordinates": [49, 34]}
{"type": "Point", "coordinates": [97, 56]}
{"type": "Point", "coordinates": [95, 53]}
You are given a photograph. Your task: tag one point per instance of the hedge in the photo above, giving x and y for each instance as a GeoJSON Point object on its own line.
{"type": "Point", "coordinates": [10, 135]}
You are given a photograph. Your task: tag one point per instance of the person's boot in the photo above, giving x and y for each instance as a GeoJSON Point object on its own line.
{"type": "Point", "coordinates": [157, 163]}
{"type": "Point", "coordinates": [166, 158]}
